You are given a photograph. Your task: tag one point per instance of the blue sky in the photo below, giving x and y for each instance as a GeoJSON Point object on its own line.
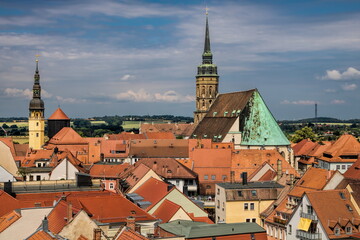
{"type": "Point", "coordinates": [140, 57]}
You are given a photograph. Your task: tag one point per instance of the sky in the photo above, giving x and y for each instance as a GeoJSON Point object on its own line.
{"type": "Point", "coordinates": [138, 57]}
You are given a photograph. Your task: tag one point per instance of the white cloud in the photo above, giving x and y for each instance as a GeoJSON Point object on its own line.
{"type": "Point", "coordinates": [349, 87]}
{"type": "Point", "coordinates": [329, 90]}
{"type": "Point", "coordinates": [350, 74]}
{"type": "Point", "coordinates": [299, 102]}
{"type": "Point", "coordinates": [127, 77]}
{"type": "Point", "coordinates": [337, 101]}
{"type": "Point", "coordinates": [144, 96]}
{"type": "Point", "coordinates": [27, 93]}
{"type": "Point", "coordinates": [69, 100]}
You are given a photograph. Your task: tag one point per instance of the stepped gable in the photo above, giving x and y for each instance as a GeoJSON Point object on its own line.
{"type": "Point", "coordinates": [59, 115]}
{"type": "Point", "coordinates": [67, 136]}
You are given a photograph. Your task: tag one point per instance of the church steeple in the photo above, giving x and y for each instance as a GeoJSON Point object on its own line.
{"type": "Point", "coordinates": [207, 55]}
{"type": "Point", "coordinates": [207, 79]}
{"type": "Point", "coordinates": [36, 114]}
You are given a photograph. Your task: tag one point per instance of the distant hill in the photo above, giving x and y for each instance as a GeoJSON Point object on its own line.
{"type": "Point", "coordinates": [321, 120]}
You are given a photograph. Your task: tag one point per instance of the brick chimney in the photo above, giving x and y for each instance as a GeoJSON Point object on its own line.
{"type": "Point", "coordinates": [69, 212]}
{"type": "Point", "coordinates": [130, 222]}
{"type": "Point", "coordinates": [97, 234]}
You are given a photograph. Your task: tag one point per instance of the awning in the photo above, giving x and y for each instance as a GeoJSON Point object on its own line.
{"type": "Point", "coordinates": [304, 224]}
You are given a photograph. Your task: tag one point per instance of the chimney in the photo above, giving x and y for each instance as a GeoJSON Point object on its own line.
{"type": "Point", "coordinates": [279, 170]}
{"type": "Point", "coordinates": [45, 224]}
{"type": "Point", "coordinates": [130, 223]}
{"type": "Point", "coordinates": [244, 178]}
{"type": "Point", "coordinates": [292, 179]}
{"type": "Point", "coordinates": [69, 212]}
{"type": "Point", "coordinates": [97, 234]}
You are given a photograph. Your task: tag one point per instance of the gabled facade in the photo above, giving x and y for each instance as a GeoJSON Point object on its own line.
{"type": "Point", "coordinates": [323, 215]}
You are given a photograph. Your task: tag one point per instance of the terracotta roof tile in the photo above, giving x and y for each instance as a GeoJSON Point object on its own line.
{"type": "Point", "coordinates": [59, 115]}
{"type": "Point", "coordinates": [128, 234]}
{"type": "Point", "coordinates": [178, 129]}
{"type": "Point", "coordinates": [346, 145]}
{"type": "Point", "coordinates": [160, 135]}
{"type": "Point", "coordinates": [8, 203]}
{"type": "Point", "coordinates": [41, 235]}
{"type": "Point", "coordinates": [168, 168]}
{"type": "Point", "coordinates": [67, 136]}
{"type": "Point", "coordinates": [8, 219]}
{"type": "Point", "coordinates": [166, 211]}
{"type": "Point", "coordinates": [161, 148]}
{"type": "Point", "coordinates": [125, 136]}
{"type": "Point", "coordinates": [108, 170]}
{"type": "Point", "coordinates": [342, 209]}
{"type": "Point", "coordinates": [354, 171]}
{"type": "Point", "coordinates": [57, 218]}
{"type": "Point", "coordinates": [153, 191]}
{"type": "Point", "coordinates": [120, 209]}
{"type": "Point", "coordinates": [135, 173]}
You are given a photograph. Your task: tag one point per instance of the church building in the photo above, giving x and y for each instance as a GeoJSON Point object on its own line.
{"type": "Point", "coordinates": [238, 117]}
{"type": "Point", "coordinates": [36, 114]}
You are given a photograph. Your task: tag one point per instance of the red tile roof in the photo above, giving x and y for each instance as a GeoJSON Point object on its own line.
{"type": "Point", "coordinates": [59, 115]}
{"type": "Point", "coordinates": [125, 136]}
{"type": "Point", "coordinates": [153, 191]}
{"type": "Point", "coordinates": [159, 135]}
{"type": "Point", "coordinates": [303, 147]}
{"type": "Point", "coordinates": [179, 129]}
{"type": "Point", "coordinates": [58, 217]}
{"type": "Point", "coordinates": [341, 209]}
{"type": "Point", "coordinates": [67, 136]}
{"type": "Point", "coordinates": [354, 171]}
{"type": "Point", "coordinates": [120, 209]}
{"type": "Point", "coordinates": [161, 148]}
{"type": "Point", "coordinates": [346, 145]}
{"type": "Point", "coordinates": [166, 211]}
{"type": "Point", "coordinates": [8, 203]}
{"type": "Point", "coordinates": [135, 173]}
{"type": "Point", "coordinates": [41, 235]}
{"type": "Point", "coordinates": [168, 168]}
{"type": "Point", "coordinates": [128, 234]}
{"type": "Point", "coordinates": [8, 219]}
{"type": "Point", "coordinates": [108, 170]}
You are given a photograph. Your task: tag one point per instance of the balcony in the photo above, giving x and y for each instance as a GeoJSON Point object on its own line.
{"type": "Point", "coordinates": [308, 216]}
{"type": "Point", "coordinates": [307, 235]}
{"type": "Point", "coordinates": [279, 220]}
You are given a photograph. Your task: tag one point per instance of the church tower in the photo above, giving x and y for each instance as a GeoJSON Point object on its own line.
{"type": "Point", "coordinates": [207, 80]}
{"type": "Point", "coordinates": [36, 114]}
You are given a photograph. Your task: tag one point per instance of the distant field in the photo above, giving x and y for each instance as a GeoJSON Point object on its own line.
{"type": "Point", "coordinates": [331, 124]}
{"type": "Point", "coordinates": [98, 122]}
{"type": "Point", "coordinates": [130, 124]}
{"type": "Point", "coordinates": [18, 124]}
{"type": "Point", "coordinates": [21, 139]}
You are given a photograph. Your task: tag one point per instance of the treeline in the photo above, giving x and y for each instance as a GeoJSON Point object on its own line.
{"type": "Point", "coordinates": [170, 118]}
{"type": "Point", "coordinates": [320, 120]}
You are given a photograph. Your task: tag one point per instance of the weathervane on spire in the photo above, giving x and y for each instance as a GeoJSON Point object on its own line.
{"type": "Point", "coordinates": [206, 10]}
{"type": "Point", "coordinates": [37, 57]}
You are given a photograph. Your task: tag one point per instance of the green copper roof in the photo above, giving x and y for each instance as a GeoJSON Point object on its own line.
{"type": "Point", "coordinates": [259, 127]}
{"type": "Point", "coordinates": [190, 229]}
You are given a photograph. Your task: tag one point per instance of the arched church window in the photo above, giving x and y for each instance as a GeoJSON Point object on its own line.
{"type": "Point", "coordinates": [210, 90]}
{"type": "Point", "coordinates": [203, 90]}
{"type": "Point", "coordinates": [210, 102]}
{"type": "Point", "coordinates": [203, 103]}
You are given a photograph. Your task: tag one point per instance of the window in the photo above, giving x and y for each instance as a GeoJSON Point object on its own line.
{"type": "Point", "coordinates": [38, 177]}
{"type": "Point", "coordinates": [253, 193]}
{"type": "Point", "coordinates": [252, 206]}
{"type": "Point", "coordinates": [206, 177]}
{"type": "Point", "coordinates": [248, 220]}
{"type": "Point", "coordinates": [213, 177]}
{"type": "Point", "coordinates": [223, 177]}
{"type": "Point", "coordinates": [349, 230]}
{"type": "Point", "coordinates": [38, 164]}
{"type": "Point", "coordinates": [218, 204]}
{"type": "Point", "coordinates": [310, 210]}
{"type": "Point", "coordinates": [253, 220]}
{"type": "Point", "coordinates": [240, 193]}
{"type": "Point", "coordinates": [31, 178]}
{"type": "Point", "coordinates": [218, 191]}
{"type": "Point", "coordinates": [290, 229]}
{"type": "Point", "coordinates": [349, 207]}
{"type": "Point", "coordinates": [337, 231]}
{"type": "Point", "coordinates": [337, 167]}
{"type": "Point", "coordinates": [37, 134]}
{"type": "Point", "coordinates": [111, 186]}
{"type": "Point", "coordinates": [37, 123]}
{"type": "Point", "coordinates": [246, 206]}
{"type": "Point", "coordinates": [343, 167]}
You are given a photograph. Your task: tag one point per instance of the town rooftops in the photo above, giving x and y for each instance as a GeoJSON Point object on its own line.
{"type": "Point", "coordinates": [345, 149]}
{"type": "Point", "coordinates": [250, 185]}
{"type": "Point", "coordinates": [67, 136]}
{"type": "Point", "coordinates": [108, 170]}
{"type": "Point", "coordinates": [189, 229]}
{"type": "Point", "coordinates": [354, 171]}
{"type": "Point", "coordinates": [58, 115]}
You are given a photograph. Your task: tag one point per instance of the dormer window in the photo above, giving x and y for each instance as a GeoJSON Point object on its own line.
{"type": "Point", "coordinates": [337, 231]}
{"type": "Point", "coordinates": [348, 230]}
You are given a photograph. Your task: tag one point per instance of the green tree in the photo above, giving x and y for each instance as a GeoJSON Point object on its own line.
{"type": "Point", "coordinates": [304, 133]}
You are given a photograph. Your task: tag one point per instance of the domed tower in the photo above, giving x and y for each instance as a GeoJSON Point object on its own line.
{"type": "Point", "coordinates": [36, 114]}
{"type": "Point", "coordinates": [56, 122]}
{"type": "Point", "coordinates": [207, 80]}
